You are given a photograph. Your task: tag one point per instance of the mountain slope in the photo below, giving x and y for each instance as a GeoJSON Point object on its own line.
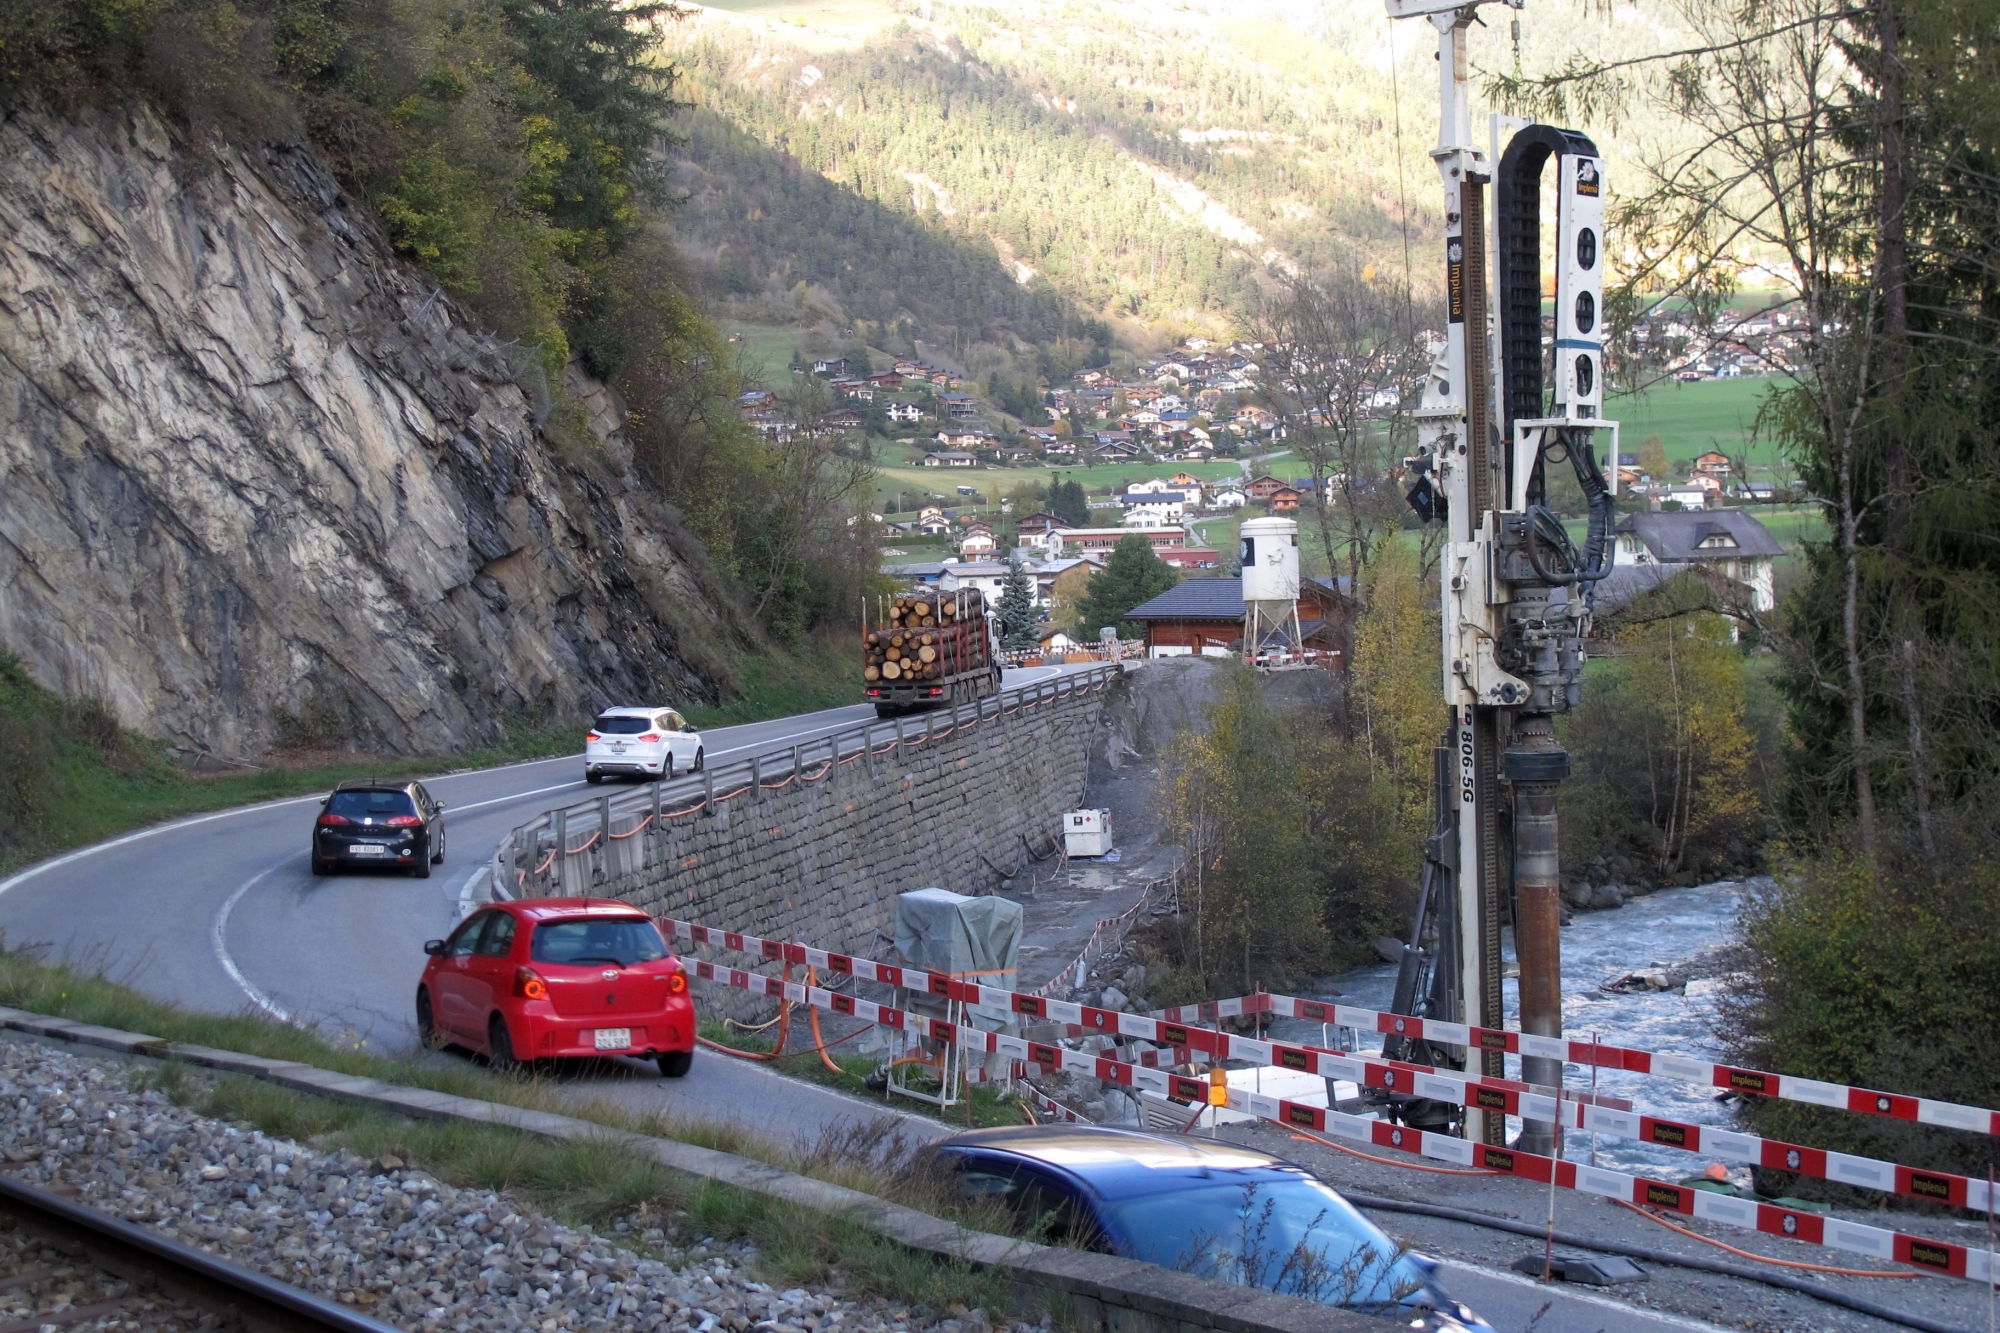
{"type": "Point", "coordinates": [1146, 164]}
{"type": "Point", "coordinates": [260, 485]}
{"type": "Point", "coordinates": [1159, 164]}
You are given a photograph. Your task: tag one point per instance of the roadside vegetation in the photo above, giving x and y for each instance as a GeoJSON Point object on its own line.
{"type": "Point", "coordinates": [1302, 826]}
{"type": "Point", "coordinates": [71, 776]}
{"type": "Point", "coordinates": [982, 1108]}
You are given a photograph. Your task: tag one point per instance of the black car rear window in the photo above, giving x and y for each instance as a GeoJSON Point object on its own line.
{"type": "Point", "coordinates": [370, 804]}
{"type": "Point", "coordinates": [623, 726]}
{"type": "Point", "coordinates": [620, 940]}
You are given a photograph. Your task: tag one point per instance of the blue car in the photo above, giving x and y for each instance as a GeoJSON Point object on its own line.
{"type": "Point", "coordinates": [1208, 1208]}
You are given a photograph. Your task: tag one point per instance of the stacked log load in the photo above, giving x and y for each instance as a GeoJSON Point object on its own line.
{"type": "Point", "coordinates": [927, 635]}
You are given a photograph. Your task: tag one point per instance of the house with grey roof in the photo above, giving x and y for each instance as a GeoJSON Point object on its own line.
{"type": "Point", "coordinates": [1728, 542]}
{"type": "Point", "coordinates": [1204, 617]}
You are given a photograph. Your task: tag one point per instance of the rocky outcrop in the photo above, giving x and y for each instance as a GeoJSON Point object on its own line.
{"type": "Point", "coordinates": [260, 484]}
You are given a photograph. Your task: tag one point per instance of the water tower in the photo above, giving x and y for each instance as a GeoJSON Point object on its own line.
{"type": "Point", "coordinates": [1270, 557]}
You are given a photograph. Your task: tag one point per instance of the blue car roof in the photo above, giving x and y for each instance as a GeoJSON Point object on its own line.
{"type": "Point", "coordinates": [1116, 1163]}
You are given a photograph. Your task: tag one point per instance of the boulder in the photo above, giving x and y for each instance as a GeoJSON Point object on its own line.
{"type": "Point", "coordinates": [1606, 896]}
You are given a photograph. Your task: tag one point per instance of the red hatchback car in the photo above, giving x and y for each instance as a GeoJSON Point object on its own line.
{"type": "Point", "coordinates": [548, 978]}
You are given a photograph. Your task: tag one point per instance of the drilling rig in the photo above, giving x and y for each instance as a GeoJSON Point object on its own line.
{"type": "Point", "coordinates": [1501, 412]}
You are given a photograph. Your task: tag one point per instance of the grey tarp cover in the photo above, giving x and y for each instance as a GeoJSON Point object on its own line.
{"type": "Point", "coordinates": [949, 932]}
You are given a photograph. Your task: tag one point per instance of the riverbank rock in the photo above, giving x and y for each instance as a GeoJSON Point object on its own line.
{"type": "Point", "coordinates": [1606, 896]}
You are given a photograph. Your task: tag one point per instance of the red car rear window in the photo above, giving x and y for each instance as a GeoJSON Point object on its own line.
{"type": "Point", "coordinates": [620, 941]}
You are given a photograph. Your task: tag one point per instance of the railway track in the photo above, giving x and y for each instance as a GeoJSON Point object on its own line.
{"type": "Point", "coordinates": [67, 1266]}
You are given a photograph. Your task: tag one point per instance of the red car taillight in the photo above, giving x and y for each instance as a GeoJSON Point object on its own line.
{"type": "Point", "coordinates": [404, 821]}
{"type": "Point", "coordinates": [677, 983]}
{"type": "Point", "coordinates": [328, 821]}
{"type": "Point", "coordinates": [592, 736]}
{"type": "Point", "coordinates": [650, 736]}
{"type": "Point", "coordinates": [529, 985]}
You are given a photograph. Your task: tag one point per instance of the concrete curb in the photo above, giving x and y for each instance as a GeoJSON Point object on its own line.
{"type": "Point", "coordinates": [1094, 1291]}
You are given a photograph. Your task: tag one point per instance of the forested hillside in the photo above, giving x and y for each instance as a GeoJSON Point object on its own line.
{"type": "Point", "coordinates": [1158, 167]}
{"type": "Point", "coordinates": [1146, 171]}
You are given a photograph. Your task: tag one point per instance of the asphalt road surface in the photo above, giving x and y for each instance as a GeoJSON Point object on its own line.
{"type": "Point", "coordinates": [222, 913]}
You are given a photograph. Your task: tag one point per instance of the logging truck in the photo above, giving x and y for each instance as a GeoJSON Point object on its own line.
{"type": "Point", "coordinates": [927, 648]}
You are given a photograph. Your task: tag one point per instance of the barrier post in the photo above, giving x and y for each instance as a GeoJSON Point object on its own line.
{"type": "Point", "coordinates": [799, 764]}
{"type": "Point", "coordinates": [653, 829]}
{"type": "Point", "coordinates": [708, 792]}
{"type": "Point", "coordinates": [558, 864]}
{"type": "Point", "coordinates": [757, 778]}
{"type": "Point", "coordinates": [600, 864]}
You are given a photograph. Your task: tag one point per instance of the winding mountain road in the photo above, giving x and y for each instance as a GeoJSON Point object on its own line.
{"type": "Point", "coordinates": [221, 913]}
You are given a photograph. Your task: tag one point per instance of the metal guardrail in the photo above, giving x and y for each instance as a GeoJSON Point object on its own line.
{"type": "Point", "coordinates": [535, 859]}
{"type": "Point", "coordinates": [143, 1257]}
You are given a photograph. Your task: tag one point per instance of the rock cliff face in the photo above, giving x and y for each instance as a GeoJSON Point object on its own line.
{"type": "Point", "coordinates": [258, 484]}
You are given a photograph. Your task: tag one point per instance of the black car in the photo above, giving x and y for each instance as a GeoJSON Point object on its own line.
{"type": "Point", "coordinates": [395, 824]}
{"type": "Point", "coordinates": [1212, 1209]}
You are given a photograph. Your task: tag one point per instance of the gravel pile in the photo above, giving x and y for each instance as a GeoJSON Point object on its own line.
{"type": "Point", "coordinates": [381, 1235]}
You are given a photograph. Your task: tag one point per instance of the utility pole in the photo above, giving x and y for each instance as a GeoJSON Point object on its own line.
{"type": "Point", "coordinates": [1514, 587]}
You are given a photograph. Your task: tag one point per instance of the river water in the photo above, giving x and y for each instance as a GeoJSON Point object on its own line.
{"type": "Point", "coordinates": [1661, 930]}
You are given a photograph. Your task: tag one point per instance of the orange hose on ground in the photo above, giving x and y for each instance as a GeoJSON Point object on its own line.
{"type": "Point", "coordinates": [1388, 1161]}
{"type": "Point", "coordinates": [812, 1018]}
{"type": "Point", "coordinates": [1760, 1258]}
{"type": "Point", "coordinates": [784, 1028]}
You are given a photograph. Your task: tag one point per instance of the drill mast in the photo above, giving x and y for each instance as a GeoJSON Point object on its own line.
{"type": "Point", "coordinates": [1514, 586]}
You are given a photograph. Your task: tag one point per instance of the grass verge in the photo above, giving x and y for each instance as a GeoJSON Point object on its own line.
{"type": "Point", "coordinates": [985, 1107]}
{"type": "Point", "coordinates": [597, 1185]}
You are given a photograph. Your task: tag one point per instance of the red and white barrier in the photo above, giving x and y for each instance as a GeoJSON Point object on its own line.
{"type": "Point", "coordinates": [1865, 1101]}
{"type": "Point", "coordinates": [1507, 1096]}
{"type": "Point", "coordinates": [1933, 1256]}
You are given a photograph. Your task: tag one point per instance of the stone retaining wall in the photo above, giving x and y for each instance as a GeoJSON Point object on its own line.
{"type": "Point", "coordinates": [819, 852]}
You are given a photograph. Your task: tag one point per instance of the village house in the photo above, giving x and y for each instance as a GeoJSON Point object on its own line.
{"type": "Point", "coordinates": [955, 437]}
{"type": "Point", "coordinates": [1037, 524]}
{"type": "Point", "coordinates": [1284, 500]}
{"type": "Point", "coordinates": [978, 543]}
{"type": "Point", "coordinates": [1149, 516]}
{"type": "Point", "coordinates": [951, 458]}
{"type": "Point", "coordinates": [959, 406]}
{"type": "Point", "coordinates": [1714, 464]}
{"type": "Point", "coordinates": [1204, 617]}
{"type": "Point", "coordinates": [1100, 541]}
{"type": "Point", "coordinates": [904, 412]}
{"type": "Point", "coordinates": [831, 367]}
{"type": "Point", "coordinates": [1064, 579]}
{"type": "Point", "coordinates": [1262, 489]}
{"type": "Point", "coordinates": [1727, 542]}
{"type": "Point", "coordinates": [1191, 557]}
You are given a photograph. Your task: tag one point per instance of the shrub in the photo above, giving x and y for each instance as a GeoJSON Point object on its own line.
{"type": "Point", "coordinates": [1878, 981]}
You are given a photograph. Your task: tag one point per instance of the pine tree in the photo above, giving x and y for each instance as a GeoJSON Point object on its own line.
{"type": "Point", "coordinates": [1068, 502]}
{"type": "Point", "coordinates": [1017, 610]}
{"type": "Point", "coordinates": [1132, 575]}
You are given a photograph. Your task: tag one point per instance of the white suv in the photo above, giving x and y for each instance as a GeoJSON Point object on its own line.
{"type": "Point", "coordinates": [641, 743]}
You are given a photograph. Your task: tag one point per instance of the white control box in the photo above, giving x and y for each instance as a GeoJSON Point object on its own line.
{"type": "Point", "coordinates": [1087, 832]}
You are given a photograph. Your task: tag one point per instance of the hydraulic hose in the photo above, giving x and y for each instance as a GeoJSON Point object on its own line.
{"type": "Point", "coordinates": [1858, 1304]}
